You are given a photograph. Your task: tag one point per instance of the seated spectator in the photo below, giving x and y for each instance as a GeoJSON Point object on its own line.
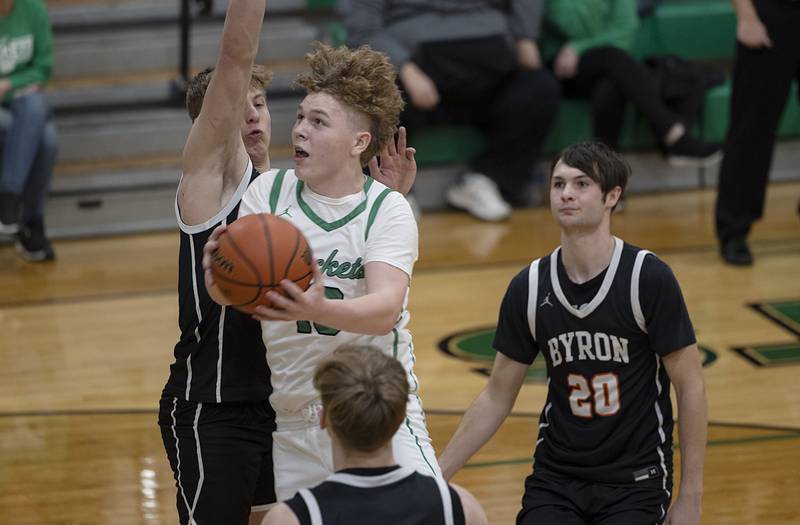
{"type": "Point", "coordinates": [364, 394]}
{"type": "Point", "coordinates": [588, 43]}
{"type": "Point", "coordinates": [27, 132]}
{"type": "Point", "coordinates": [469, 62]}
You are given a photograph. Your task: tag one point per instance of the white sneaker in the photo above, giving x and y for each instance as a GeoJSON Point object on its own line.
{"type": "Point", "coordinates": [478, 194]}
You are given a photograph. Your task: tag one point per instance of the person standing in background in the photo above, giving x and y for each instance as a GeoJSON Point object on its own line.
{"type": "Point", "coordinates": [27, 132]}
{"type": "Point", "coordinates": [767, 60]}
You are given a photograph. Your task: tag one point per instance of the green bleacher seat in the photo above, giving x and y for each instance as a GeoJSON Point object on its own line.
{"type": "Point", "coordinates": [692, 29]}
{"type": "Point", "coordinates": [320, 4]}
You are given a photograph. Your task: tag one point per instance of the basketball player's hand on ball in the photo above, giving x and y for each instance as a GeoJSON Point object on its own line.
{"type": "Point", "coordinates": [294, 304]}
{"type": "Point", "coordinates": [398, 167]}
{"type": "Point", "coordinates": [211, 245]}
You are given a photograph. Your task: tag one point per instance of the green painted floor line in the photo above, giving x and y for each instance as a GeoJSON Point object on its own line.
{"type": "Point", "coordinates": [712, 443]}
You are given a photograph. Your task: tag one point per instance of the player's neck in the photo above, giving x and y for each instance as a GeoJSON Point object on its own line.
{"type": "Point", "coordinates": [262, 165]}
{"type": "Point", "coordinates": [6, 6]}
{"type": "Point", "coordinates": [585, 255]}
{"type": "Point", "coordinates": [345, 459]}
{"type": "Point", "coordinates": [345, 182]}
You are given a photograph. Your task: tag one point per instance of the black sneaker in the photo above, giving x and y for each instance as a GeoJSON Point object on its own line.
{"type": "Point", "coordinates": [736, 252]}
{"type": "Point", "coordinates": [692, 152]}
{"type": "Point", "coordinates": [9, 213]}
{"type": "Point", "coordinates": [33, 245]}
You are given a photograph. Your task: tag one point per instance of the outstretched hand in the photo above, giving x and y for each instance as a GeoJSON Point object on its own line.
{"type": "Point", "coordinates": [397, 168]}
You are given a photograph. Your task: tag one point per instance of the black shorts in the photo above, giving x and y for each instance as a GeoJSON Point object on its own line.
{"type": "Point", "coordinates": [551, 498]}
{"type": "Point", "coordinates": [221, 456]}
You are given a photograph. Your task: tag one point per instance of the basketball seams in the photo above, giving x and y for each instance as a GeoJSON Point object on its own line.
{"type": "Point", "coordinates": [246, 260]}
{"type": "Point", "coordinates": [243, 256]}
{"type": "Point", "coordinates": [263, 249]}
{"type": "Point", "coordinates": [262, 218]}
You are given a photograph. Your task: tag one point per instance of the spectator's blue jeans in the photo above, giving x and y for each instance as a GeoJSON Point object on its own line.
{"type": "Point", "coordinates": [29, 145]}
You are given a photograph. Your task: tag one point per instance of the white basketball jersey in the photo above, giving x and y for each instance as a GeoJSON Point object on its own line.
{"type": "Point", "coordinates": [344, 234]}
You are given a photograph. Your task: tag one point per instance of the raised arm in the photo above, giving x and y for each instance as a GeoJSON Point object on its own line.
{"type": "Point", "coordinates": [685, 371]}
{"type": "Point", "coordinates": [214, 158]}
{"type": "Point", "coordinates": [485, 415]}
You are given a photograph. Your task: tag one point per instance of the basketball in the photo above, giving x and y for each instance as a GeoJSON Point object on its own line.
{"type": "Point", "coordinates": [254, 255]}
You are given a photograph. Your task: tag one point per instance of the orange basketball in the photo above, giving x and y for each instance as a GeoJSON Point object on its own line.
{"type": "Point", "coordinates": [254, 255]}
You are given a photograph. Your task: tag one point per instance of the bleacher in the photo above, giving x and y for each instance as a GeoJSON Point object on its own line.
{"type": "Point", "coordinates": [122, 127]}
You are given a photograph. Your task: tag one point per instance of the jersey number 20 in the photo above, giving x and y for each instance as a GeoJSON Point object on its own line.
{"type": "Point", "coordinates": [598, 397]}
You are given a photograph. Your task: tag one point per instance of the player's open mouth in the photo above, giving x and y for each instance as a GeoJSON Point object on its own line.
{"type": "Point", "coordinates": [300, 153]}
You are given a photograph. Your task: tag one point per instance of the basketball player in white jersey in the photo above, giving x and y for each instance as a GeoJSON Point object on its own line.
{"type": "Point", "coordinates": [215, 418]}
{"type": "Point", "coordinates": [364, 394]}
{"type": "Point", "coordinates": [364, 238]}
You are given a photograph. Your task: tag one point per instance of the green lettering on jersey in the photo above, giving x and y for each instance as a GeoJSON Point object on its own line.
{"type": "Point", "coordinates": [343, 270]}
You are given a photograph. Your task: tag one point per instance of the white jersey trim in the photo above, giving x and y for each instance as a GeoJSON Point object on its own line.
{"type": "Point", "coordinates": [312, 506]}
{"type": "Point", "coordinates": [533, 293]}
{"type": "Point", "coordinates": [369, 482]}
{"type": "Point", "coordinates": [199, 462]}
{"type": "Point", "coordinates": [178, 453]}
{"type": "Point", "coordinates": [587, 309]}
{"type": "Point", "coordinates": [635, 280]}
{"type": "Point", "coordinates": [447, 502]}
{"type": "Point", "coordinates": [661, 435]}
{"type": "Point", "coordinates": [229, 206]}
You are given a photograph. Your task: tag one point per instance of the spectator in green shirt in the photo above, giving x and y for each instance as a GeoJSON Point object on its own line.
{"type": "Point", "coordinates": [588, 43]}
{"type": "Point", "coordinates": [27, 132]}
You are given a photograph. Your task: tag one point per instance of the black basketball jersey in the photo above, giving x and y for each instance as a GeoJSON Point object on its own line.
{"type": "Point", "coordinates": [608, 414]}
{"type": "Point", "coordinates": [220, 356]}
{"type": "Point", "coordinates": [379, 496]}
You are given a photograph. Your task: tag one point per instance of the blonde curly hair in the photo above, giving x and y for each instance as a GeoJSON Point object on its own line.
{"type": "Point", "coordinates": [362, 79]}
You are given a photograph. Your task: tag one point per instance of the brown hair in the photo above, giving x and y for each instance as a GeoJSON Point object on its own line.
{"type": "Point", "coordinates": [599, 162]}
{"type": "Point", "coordinates": [260, 78]}
{"type": "Point", "coordinates": [362, 79]}
{"type": "Point", "coordinates": [364, 394]}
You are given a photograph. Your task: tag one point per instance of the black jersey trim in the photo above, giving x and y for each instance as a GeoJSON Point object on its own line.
{"type": "Point", "coordinates": [221, 214]}
{"type": "Point", "coordinates": [601, 293]}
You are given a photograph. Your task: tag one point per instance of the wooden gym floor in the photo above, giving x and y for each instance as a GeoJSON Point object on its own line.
{"type": "Point", "coordinates": [85, 345]}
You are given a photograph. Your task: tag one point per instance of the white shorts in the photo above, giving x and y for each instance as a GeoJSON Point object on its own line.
{"type": "Point", "coordinates": [302, 455]}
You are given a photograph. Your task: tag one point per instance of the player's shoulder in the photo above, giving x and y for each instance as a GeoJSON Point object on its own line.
{"type": "Point", "coordinates": [653, 269]}
{"type": "Point", "coordinates": [265, 181]}
{"type": "Point", "coordinates": [386, 202]}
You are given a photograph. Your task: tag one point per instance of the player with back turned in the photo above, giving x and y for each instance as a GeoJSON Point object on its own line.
{"type": "Point", "coordinates": [363, 393]}
{"type": "Point", "coordinates": [611, 323]}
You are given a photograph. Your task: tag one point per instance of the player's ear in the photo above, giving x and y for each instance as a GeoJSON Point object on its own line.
{"type": "Point", "coordinates": [361, 143]}
{"type": "Point", "coordinates": [612, 197]}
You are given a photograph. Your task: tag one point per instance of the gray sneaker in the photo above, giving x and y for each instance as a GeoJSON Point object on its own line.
{"type": "Point", "coordinates": [32, 243]}
{"type": "Point", "coordinates": [479, 195]}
